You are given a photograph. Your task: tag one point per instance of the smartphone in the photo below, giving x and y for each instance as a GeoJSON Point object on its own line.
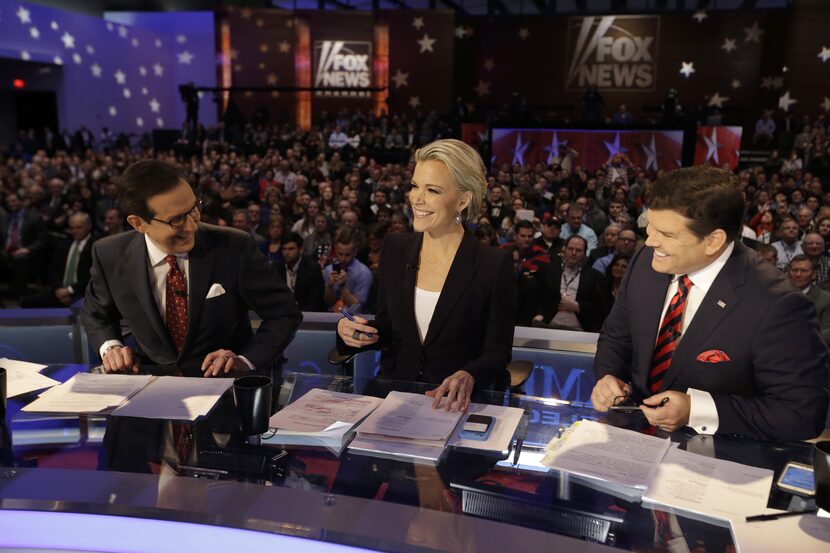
{"type": "Point", "coordinates": [476, 427]}
{"type": "Point", "coordinates": [335, 267]}
{"type": "Point", "coordinates": [797, 478]}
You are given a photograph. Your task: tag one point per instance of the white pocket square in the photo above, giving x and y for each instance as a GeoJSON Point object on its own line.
{"type": "Point", "coordinates": [216, 289]}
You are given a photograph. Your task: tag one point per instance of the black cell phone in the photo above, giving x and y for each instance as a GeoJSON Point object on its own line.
{"type": "Point", "coordinates": [477, 427]}
{"type": "Point", "coordinates": [335, 267]}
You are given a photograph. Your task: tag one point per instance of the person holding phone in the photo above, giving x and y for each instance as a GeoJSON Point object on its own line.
{"type": "Point", "coordinates": [446, 302]}
{"type": "Point", "coordinates": [347, 280]}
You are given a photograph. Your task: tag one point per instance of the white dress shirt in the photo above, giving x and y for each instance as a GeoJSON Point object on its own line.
{"type": "Point", "coordinates": [703, 415]}
{"type": "Point", "coordinates": [425, 302]}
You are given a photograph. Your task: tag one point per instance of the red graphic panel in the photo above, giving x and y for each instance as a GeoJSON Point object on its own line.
{"type": "Point", "coordinates": [720, 146]}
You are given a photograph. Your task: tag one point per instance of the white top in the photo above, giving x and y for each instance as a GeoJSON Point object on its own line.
{"type": "Point", "coordinates": [425, 302]}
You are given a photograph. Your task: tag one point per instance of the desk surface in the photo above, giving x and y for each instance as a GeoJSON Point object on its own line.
{"type": "Point", "coordinates": [128, 467]}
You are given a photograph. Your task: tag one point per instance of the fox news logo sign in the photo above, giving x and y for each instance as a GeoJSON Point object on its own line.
{"type": "Point", "coordinates": [342, 64]}
{"type": "Point", "coordinates": [613, 52]}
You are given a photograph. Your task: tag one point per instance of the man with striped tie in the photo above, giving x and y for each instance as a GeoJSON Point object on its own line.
{"type": "Point", "coordinates": [704, 327]}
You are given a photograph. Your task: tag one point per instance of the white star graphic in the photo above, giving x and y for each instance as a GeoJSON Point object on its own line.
{"type": "Point", "coordinates": [784, 102]}
{"type": "Point", "coordinates": [200, 94]}
{"type": "Point", "coordinates": [414, 102]}
{"type": "Point", "coordinates": [260, 23]}
{"type": "Point", "coordinates": [54, 25]}
{"type": "Point", "coordinates": [460, 32]}
{"type": "Point", "coordinates": [76, 57]}
{"type": "Point", "coordinates": [400, 79]}
{"type": "Point", "coordinates": [261, 66]}
{"type": "Point", "coordinates": [777, 82]}
{"type": "Point", "coordinates": [482, 88]}
{"type": "Point", "coordinates": [113, 112]}
{"type": "Point", "coordinates": [154, 105]}
{"type": "Point", "coordinates": [89, 49]}
{"type": "Point", "coordinates": [144, 91]}
{"type": "Point", "coordinates": [614, 148]}
{"type": "Point", "coordinates": [57, 60]}
{"type": "Point", "coordinates": [185, 57]}
{"type": "Point", "coordinates": [159, 122]}
{"type": "Point", "coordinates": [135, 42]}
{"type": "Point", "coordinates": [651, 154]}
{"type": "Point", "coordinates": [519, 151]}
{"type": "Point", "coordinates": [553, 149]}
{"type": "Point", "coordinates": [489, 64]}
{"type": "Point", "coordinates": [729, 45]}
{"type": "Point", "coordinates": [68, 40]}
{"type": "Point", "coordinates": [824, 54]}
{"type": "Point", "coordinates": [96, 70]}
{"type": "Point", "coordinates": [285, 47]}
{"type": "Point", "coordinates": [712, 146]}
{"type": "Point", "coordinates": [699, 16]}
{"type": "Point", "coordinates": [418, 22]}
{"type": "Point", "coordinates": [142, 71]}
{"type": "Point", "coordinates": [23, 14]}
{"type": "Point", "coordinates": [34, 33]}
{"type": "Point", "coordinates": [524, 33]}
{"type": "Point", "coordinates": [110, 26]}
{"type": "Point", "coordinates": [426, 43]}
{"type": "Point", "coordinates": [122, 31]}
{"type": "Point", "coordinates": [235, 53]}
{"type": "Point", "coordinates": [246, 13]}
{"type": "Point", "coordinates": [271, 79]}
{"type": "Point", "coordinates": [687, 68]}
{"type": "Point", "coordinates": [275, 94]}
{"type": "Point", "coordinates": [736, 83]}
{"type": "Point", "coordinates": [158, 43]}
{"type": "Point", "coordinates": [766, 82]}
{"type": "Point", "coordinates": [753, 34]}
{"type": "Point", "coordinates": [237, 67]}
{"type": "Point", "coordinates": [717, 100]}
{"type": "Point", "coordinates": [181, 39]}
{"type": "Point", "coordinates": [139, 121]}
{"type": "Point", "coordinates": [263, 48]}
{"type": "Point", "coordinates": [25, 56]}
{"type": "Point", "coordinates": [127, 93]}
{"type": "Point", "coordinates": [825, 105]}
{"type": "Point", "coordinates": [120, 77]}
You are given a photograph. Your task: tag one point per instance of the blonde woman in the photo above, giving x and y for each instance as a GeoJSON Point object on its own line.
{"type": "Point", "coordinates": [446, 302]}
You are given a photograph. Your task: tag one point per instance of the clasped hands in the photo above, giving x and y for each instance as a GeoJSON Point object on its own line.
{"type": "Point", "coordinates": [672, 415]}
{"type": "Point", "coordinates": [458, 387]}
{"type": "Point", "coordinates": [120, 359]}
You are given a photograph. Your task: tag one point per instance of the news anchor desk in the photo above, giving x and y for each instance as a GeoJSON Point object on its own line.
{"type": "Point", "coordinates": [67, 492]}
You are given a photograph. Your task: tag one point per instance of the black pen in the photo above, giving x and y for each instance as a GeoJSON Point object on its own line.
{"type": "Point", "coordinates": [521, 433]}
{"type": "Point", "coordinates": [348, 316]}
{"type": "Point", "coordinates": [776, 516]}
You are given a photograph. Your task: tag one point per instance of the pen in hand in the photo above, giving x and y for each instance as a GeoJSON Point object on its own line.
{"type": "Point", "coordinates": [349, 316]}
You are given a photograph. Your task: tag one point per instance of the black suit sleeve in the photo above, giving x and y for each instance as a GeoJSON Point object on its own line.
{"type": "Point", "coordinates": [316, 287]}
{"type": "Point", "coordinates": [263, 293]}
{"type": "Point", "coordinates": [100, 316]}
{"type": "Point", "coordinates": [587, 297]}
{"type": "Point", "coordinates": [789, 369]}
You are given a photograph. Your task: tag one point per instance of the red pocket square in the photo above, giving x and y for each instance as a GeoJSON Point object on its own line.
{"type": "Point", "coordinates": [713, 356]}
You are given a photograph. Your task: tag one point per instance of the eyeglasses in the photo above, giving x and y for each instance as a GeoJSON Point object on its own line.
{"type": "Point", "coordinates": [178, 222]}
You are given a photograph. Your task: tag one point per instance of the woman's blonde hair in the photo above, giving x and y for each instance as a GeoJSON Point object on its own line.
{"type": "Point", "coordinates": [465, 166]}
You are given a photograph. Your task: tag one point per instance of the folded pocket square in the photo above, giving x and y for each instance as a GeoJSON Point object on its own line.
{"type": "Point", "coordinates": [216, 289]}
{"type": "Point", "coordinates": [713, 356]}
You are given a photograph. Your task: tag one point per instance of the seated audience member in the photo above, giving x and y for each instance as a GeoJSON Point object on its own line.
{"type": "Point", "coordinates": [610, 284]}
{"type": "Point", "coordinates": [241, 220]}
{"type": "Point", "coordinates": [114, 221]}
{"type": "Point", "coordinates": [272, 247]}
{"type": "Point", "coordinates": [347, 280]}
{"type": "Point", "coordinates": [568, 290]}
{"type": "Point", "coordinates": [788, 246]}
{"type": "Point", "coordinates": [370, 255]}
{"type": "Point", "coordinates": [768, 254]}
{"type": "Point", "coordinates": [574, 226]}
{"type": "Point", "coordinates": [625, 243]}
{"type": "Point", "coordinates": [68, 272]}
{"type": "Point", "coordinates": [532, 257]}
{"type": "Point", "coordinates": [349, 220]}
{"type": "Point", "coordinates": [486, 234]}
{"type": "Point", "coordinates": [609, 241]}
{"type": "Point", "coordinates": [319, 243]}
{"type": "Point", "coordinates": [23, 235]}
{"type": "Point", "coordinates": [813, 247]}
{"type": "Point", "coordinates": [802, 274]}
{"type": "Point", "coordinates": [527, 291]}
{"type": "Point", "coordinates": [550, 239]}
{"type": "Point", "coordinates": [302, 274]}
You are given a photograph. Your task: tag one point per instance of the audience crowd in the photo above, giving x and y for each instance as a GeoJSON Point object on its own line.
{"type": "Point", "coordinates": [320, 202]}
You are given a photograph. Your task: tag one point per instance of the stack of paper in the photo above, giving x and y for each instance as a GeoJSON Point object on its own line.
{"type": "Point", "coordinates": [89, 394]}
{"type": "Point", "coordinates": [321, 418]}
{"type": "Point", "coordinates": [23, 378]}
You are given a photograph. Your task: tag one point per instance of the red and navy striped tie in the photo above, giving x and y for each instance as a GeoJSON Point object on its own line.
{"type": "Point", "coordinates": [669, 335]}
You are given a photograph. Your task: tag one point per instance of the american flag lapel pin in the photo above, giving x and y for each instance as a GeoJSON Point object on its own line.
{"type": "Point", "coordinates": [721, 304]}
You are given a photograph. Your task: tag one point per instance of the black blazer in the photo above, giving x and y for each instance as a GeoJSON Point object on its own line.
{"type": "Point", "coordinates": [773, 387]}
{"type": "Point", "coordinates": [59, 254]}
{"type": "Point", "coordinates": [550, 294]}
{"type": "Point", "coordinates": [472, 327]}
{"type": "Point", "coordinates": [119, 288]}
{"type": "Point", "coordinates": [32, 230]}
{"type": "Point", "coordinates": [309, 286]}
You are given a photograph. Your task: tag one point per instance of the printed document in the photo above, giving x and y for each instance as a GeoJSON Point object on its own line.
{"type": "Point", "coordinates": [320, 410]}
{"type": "Point", "coordinates": [406, 416]}
{"type": "Point", "coordinates": [23, 377]}
{"type": "Point", "coordinates": [89, 394]}
{"type": "Point", "coordinates": [175, 398]}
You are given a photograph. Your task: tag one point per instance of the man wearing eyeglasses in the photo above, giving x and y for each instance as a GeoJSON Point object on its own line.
{"type": "Point", "coordinates": [183, 287]}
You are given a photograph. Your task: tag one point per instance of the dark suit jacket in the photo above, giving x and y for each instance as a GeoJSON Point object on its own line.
{"type": "Point", "coordinates": [309, 286]}
{"type": "Point", "coordinates": [550, 294]}
{"type": "Point", "coordinates": [32, 230]}
{"type": "Point", "coordinates": [821, 299]}
{"type": "Point", "coordinates": [120, 288]}
{"type": "Point", "coordinates": [472, 327]}
{"type": "Point", "coordinates": [58, 257]}
{"type": "Point", "coordinates": [774, 386]}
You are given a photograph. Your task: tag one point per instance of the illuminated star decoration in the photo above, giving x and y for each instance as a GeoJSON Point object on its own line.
{"type": "Point", "coordinates": [23, 14]}
{"type": "Point", "coordinates": [784, 102]}
{"type": "Point", "coordinates": [736, 83]}
{"type": "Point", "coordinates": [185, 57]}
{"type": "Point", "coordinates": [120, 77]}
{"type": "Point", "coordinates": [687, 68]}
{"type": "Point", "coordinates": [717, 100]}
{"type": "Point", "coordinates": [418, 22]}
{"type": "Point", "coordinates": [112, 111]}
{"type": "Point", "coordinates": [729, 45]}
{"type": "Point", "coordinates": [68, 40]}
{"type": "Point", "coordinates": [553, 149]}
{"type": "Point", "coordinates": [482, 88]}
{"type": "Point", "coordinates": [524, 33]}
{"type": "Point", "coordinates": [426, 44]}
{"type": "Point", "coordinates": [25, 55]}
{"type": "Point", "coordinates": [824, 54]}
{"type": "Point", "coordinates": [155, 105]}
{"type": "Point", "coordinates": [34, 32]}
{"type": "Point", "coordinates": [699, 16]}
{"type": "Point", "coordinates": [414, 102]}
{"type": "Point", "coordinates": [271, 79]}
{"type": "Point", "coordinates": [285, 46]}
{"type": "Point", "coordinates": [489, 64]}
{"type": "Point", "coordinates": [158, 70]}
{"type": "Point", "coordinates": [651, 154]}
{"type": "Point", "coordinates": [96, 70]}
{"type": "Point", "coordinates": [181, 39]}
{"type": "Point", "coordinates": [401, 79]}
{"type": "Point", "coordinates": [519, 151]}
{"type": "Point", "coordinates": [712, 146]}
{"type": "Point", "coordinates": [460, 32]}
{"type": "Point", "coordinates": [753, 34]}
{"type": "Point", "coordinates": [614, 148]}
{"type": "Point", "coordinates": [825, 105]}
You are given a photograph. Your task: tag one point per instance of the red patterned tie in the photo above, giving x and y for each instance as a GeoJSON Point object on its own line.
{"type": "Point", "coordinates": [668, 336]}
{"type": "Point", "coordinates": [176, 308]}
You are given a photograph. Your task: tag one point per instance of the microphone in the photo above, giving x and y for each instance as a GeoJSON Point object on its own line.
{"type": "Point", "coordinates": [411, 267]}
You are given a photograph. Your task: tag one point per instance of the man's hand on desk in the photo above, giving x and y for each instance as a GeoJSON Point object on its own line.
{"type": "Point", "coordinates": [222, 362]}
{"type": "Point", "coordinates": [608, 389]}
{"type": "Point", "coordinates": [672, 415]}
{"type": "Point", "coordinates": [120, 359]}
{"type": "Point", "coordinates": [458, 388]}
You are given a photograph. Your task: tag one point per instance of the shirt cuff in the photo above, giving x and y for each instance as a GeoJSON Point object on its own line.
{"type": "Point", "coordinates": [107, 345]}
{"type": "Point", "coordinates": [703, 413]}
{"type": "Point", "coordinates": [250, 365]}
